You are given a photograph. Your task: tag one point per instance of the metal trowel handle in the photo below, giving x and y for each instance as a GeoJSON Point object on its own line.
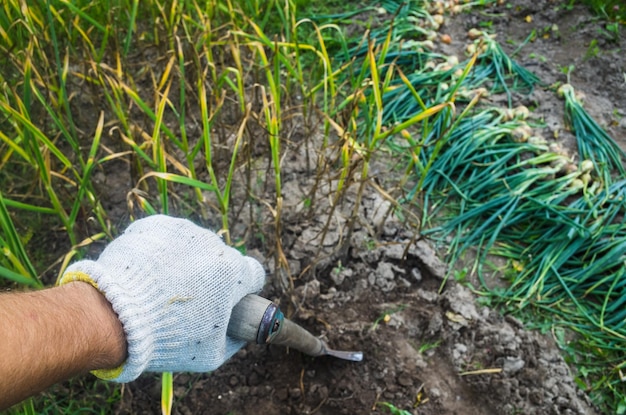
{"type": "Point", "coordinates": [256, 319]}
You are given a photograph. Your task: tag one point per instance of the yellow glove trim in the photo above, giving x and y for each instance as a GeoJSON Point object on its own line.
{"type": "Point", "coordinates": [108, 374]}
{"type": "Point", "coordinates": [77, 276]}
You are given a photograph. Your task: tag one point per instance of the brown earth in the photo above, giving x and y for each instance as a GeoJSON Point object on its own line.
{"type": "Point", "coordinates": [438, 353]}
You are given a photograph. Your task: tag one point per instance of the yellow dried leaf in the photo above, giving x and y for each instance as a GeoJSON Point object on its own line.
{"type": "Point", "coordinates": [456, 318]}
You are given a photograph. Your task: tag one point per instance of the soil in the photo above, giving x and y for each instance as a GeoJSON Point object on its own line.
{"type": "Point", "coordinates": [437, 351]}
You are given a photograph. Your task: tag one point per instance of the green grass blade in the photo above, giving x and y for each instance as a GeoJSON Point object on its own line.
{"type": "Point", "coordinates": [167, 393]}
{"type": "Point", "coordinates": [14, 247]}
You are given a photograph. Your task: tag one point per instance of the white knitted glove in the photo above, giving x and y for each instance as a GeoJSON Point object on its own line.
{"type": "Point", "coordinates": [173, 286]}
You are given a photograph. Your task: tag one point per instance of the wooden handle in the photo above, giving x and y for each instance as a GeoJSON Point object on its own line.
{"type": "Point", "coordinates": [294, 336]}
{"type": "Point", "coordinates": [256, 319]}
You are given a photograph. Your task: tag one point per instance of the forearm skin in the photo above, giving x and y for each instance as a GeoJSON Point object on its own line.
{"type": "Point", "coordinates": [52, 335]}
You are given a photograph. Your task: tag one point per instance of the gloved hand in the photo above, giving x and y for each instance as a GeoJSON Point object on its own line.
{"type": "Point", "coordinates": [173, 286]}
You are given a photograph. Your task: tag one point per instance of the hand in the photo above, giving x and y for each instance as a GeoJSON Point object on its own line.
{"type": "Point", "coordinates": [173, 286]}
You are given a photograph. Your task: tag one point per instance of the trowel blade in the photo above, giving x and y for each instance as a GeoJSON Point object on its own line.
{"type": "Point", "coordinates": [353, 356]}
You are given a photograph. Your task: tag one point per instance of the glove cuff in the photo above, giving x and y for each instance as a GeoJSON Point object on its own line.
{"type": "Point", "coordinates": [135, 321]}
{"type": "Point", "coordinates": [77, 276]}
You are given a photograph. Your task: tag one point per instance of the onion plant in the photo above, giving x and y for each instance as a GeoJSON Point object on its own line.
{"type": "Point", "coordinates": [496, 67]}
{"type": "Point", "coordinates": [487, 182]}
{"type": "Point", "coordinates": [593, 142]}
{"type": "Point", "coordinates": [499, 189]}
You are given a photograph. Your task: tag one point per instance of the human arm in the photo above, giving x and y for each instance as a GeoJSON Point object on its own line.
{"type": "Point", "coordinates": [52, 335]}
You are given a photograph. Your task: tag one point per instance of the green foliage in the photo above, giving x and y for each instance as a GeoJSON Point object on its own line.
{"type": "Point", "coordinates": [610, 9]}
{"type": "Point", "coordinates": [85, 86]}
{"type": "Point", "coordinates": [498, 187]}
{"type": "Point", "coordinates": [428, 346]}
{"type": "Point", "coordinates": [181, 93]}
{"type": "Point", "coordinates": [81, 395]}
{"type": "Point", "coordinates": [167, 393]}
{"type": "Point", "coordinates": [393, 410]}
{"type": "Point", "coordinates": [15, 264]}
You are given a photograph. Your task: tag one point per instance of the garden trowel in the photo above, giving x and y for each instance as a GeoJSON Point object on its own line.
{"type": "Point", "coordinates": [256, 319]}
